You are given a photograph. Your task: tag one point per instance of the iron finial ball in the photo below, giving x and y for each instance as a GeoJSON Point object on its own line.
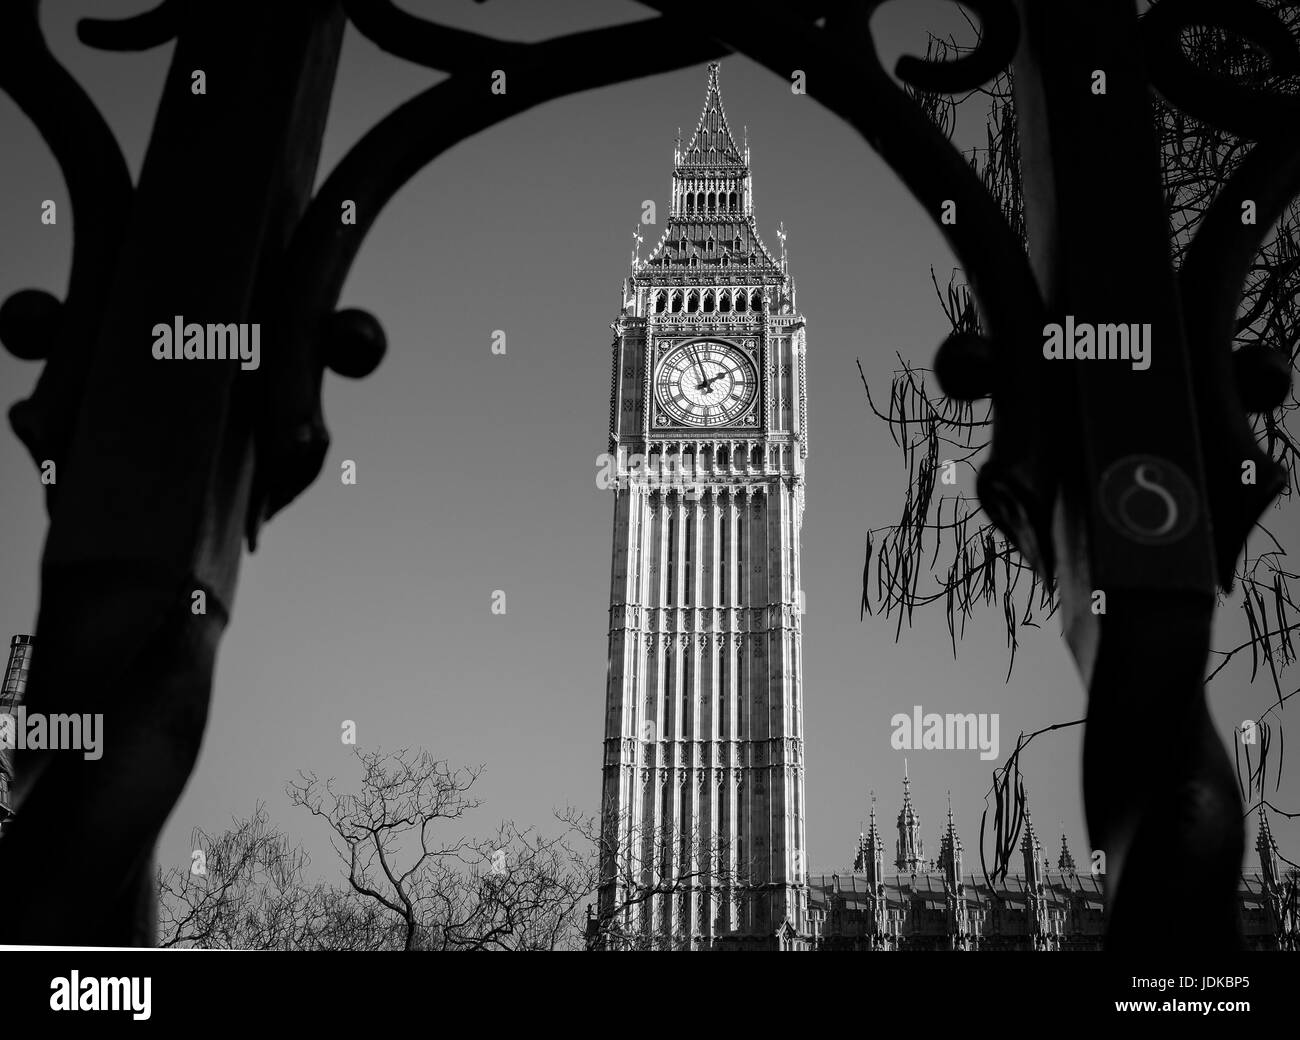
{"type": "Point", "coordinates": [28, 320]}
{"type": "Point", "coordinates": [964, 367]}
{"type": "Point", "coordinates": [1263, 377]}
{"type": "Point", "coordinates": [354, 343]}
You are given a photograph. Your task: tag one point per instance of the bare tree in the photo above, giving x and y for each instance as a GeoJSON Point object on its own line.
{"type": "Point", "coordinates": [246, 889]}
{"type": "Point", "coordinates": [943, 549]}
{"type": "Point", "coordinates": [517, 890]}
{"type": "Point", "coordinates": [412, 880]}
{"type": "Point", "coordinates": [659, 884]}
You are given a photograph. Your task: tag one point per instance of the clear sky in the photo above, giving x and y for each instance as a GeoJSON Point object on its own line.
{"type": "Point", "coordinates": [478, 472]}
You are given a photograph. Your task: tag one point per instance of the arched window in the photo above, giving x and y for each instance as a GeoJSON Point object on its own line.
{"type": "Point", "coordinates": [713, 156]}
{"type": "Point", "coordinates": [690, 202]}
{"type": "Point", "coordinates": [713, 202]}
{"type": "Point", "coordinates": [708, 246]}
{"type": "Point", "coordinates": [756, 457]}
{"type": "Point", "coordinates": [695, 261]}
{"type": "Point", "coordinates": [661, 302]}
{"type": "Point", "coordinates": [722, 458]}
{"type": "Point", "coordinates": [724, 300]}
{"type": "Point", "coordinates": [695, 156]}
{"type": "Point", "coordinates": [677, 302]}
{"type": "Point", "coordinates": [756, 301]}
{"type": "Point", "coordinates": [736, 244]}
{"type": "Point", "coordinates": [682, 245]}
{"type": "Point", "coordinates": [693, 299]}
{"type": "Point", "coordinates": [708, 302]}
{"type": "Point", "coordinates": [740, 301]}
{"type": "Point", "coordinates": [732, 202]}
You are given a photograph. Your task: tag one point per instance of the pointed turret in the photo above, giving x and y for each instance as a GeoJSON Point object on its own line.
{"type": "Point", "coordinates": [1065, 863]}
{"type": "Point", "coordinates": [950, 851]}
{"type": "Point", "coordinates": [1267, 849]}
{"type": "Point", "coordinates": [1032, 852]}
{"type": "Point", "coordinates": [950, 864]}
{"type": "Point", "coordinates": [911, 849]}
{"type": "Point", "coordinates": [711, 223]}
{"type": "Point", "coordinates": [1037, 905]}
{"type": "Point", "coordinates": [871, 850]}
{"type": "Point", "coordinates": [712, 145]}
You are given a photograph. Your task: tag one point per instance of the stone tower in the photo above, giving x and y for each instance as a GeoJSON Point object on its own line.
{"type": "Point", "coordinates": [703, 768]}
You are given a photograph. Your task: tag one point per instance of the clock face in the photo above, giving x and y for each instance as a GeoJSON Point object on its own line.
{"type": "Point", "coordinates": [706, 383]}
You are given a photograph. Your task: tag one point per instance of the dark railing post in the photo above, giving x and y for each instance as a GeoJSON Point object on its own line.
{"type": "Point", "coordinates": [1136, 562]}
{"type": "Point", "coordinates": [153, 491]}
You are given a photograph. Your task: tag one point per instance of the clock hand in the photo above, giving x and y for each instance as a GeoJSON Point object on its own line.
{"type": "Point", "coordinates": [700, 365]}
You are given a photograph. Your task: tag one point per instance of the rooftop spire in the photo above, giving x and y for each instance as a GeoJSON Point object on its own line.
{"type": "Point", "coordinates": [1264, 838]}
{"type": "Point", "coordinates": [950, 851]}
{"type": "Point", "coordinates": [911, 849]}
{"type": "Point", "coordinates": [1030, 838]}
{"type": "Point", "coordinates": [711, 222]}
{"type": "Point", "coordinates": [1031, 850]}
{"type": "Point", "coordinates": [1266, 847]}
{"type": "Point", "coordinates": [1066, 860]}
{"type": "Point", "coordinates": [712, 144]}
{"type": "Point", "coordinates": [871, 850]}
{"type": "Point", "coordinates": [873, 832]}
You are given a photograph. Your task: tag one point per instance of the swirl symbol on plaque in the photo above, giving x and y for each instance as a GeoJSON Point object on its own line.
{"type": "Point", "coordinates": [1148, 499]}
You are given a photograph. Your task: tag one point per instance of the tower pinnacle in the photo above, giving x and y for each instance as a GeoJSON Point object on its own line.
{"type": "Point", "coordinates": [711, 220]}
{"type": "Point", "coordinates": [911, 849]}
{"type": "Point", "coordinates": [1032, 852]}
{"type": "Point", "coordinates": [1066, 860]}
{"type": "Point", "coordinates": [950, 852]}
{"type": "Point", "coordinates": [1267, 848]}
{"type": "Point", "coordinates": [871, 850]}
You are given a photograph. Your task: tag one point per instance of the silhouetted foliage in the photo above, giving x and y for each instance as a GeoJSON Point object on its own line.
{"type": "Point", "coordinates": [943, 548]}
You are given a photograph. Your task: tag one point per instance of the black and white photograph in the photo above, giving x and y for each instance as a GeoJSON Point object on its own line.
{"type": "Point", "coordinates": [638, 476]}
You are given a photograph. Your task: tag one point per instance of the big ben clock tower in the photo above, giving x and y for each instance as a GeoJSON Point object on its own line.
{"type": "Point", "coordinates": [703, 769]}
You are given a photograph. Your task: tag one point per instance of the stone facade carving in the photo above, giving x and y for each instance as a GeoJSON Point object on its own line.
{"type": "Point", "coordinates": [714, 496]}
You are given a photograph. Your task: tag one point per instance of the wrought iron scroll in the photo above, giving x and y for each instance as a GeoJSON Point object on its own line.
{"type": "Point", "coordinates": [35, 325]}
{"type": "Point", "coordinates": [140, 32]}
{"type": "Point", "coordinates": [1218, 258]}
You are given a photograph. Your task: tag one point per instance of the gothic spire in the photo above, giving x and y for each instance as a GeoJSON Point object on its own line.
{"type": "Point", "coordinates": [873, 834]}
{"type": "Point", "coordinates": [950, 851]}
{"type": "Point", "coordinates": [1031, 851]}
{"type": "Point", "coordinates": [1267, 848]}
{"type": "Point", "coordinates": [911, 849]}
{"type": "Point", "coordinates": [711, 220]}
{"type": "Point", "coordinates": [1066, 861]}
{"type": "Point", "coordinates": [871, 850]}
{"type": "Point", "coordinates": [712, 145]}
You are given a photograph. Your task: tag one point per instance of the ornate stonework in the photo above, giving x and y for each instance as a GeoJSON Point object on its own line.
{"type": "Point", "coordinates": [695, 530]}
